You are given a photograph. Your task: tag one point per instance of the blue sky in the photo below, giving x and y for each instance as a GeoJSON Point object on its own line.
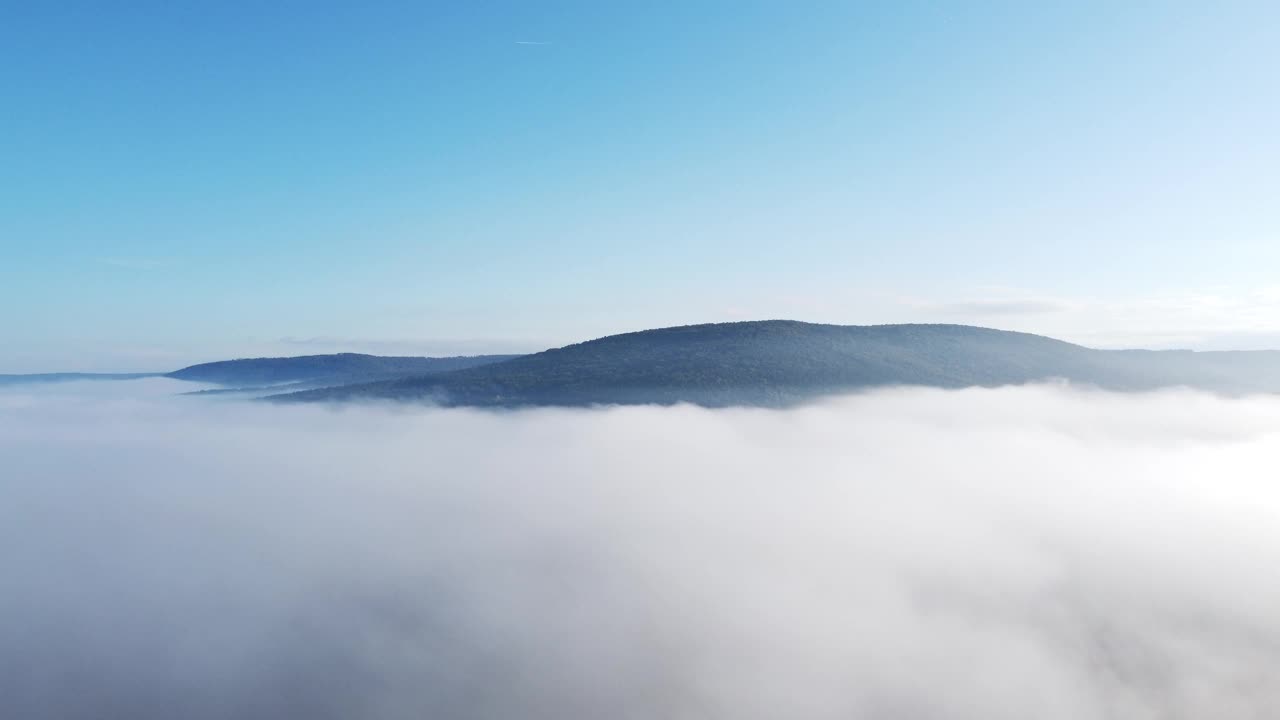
{"type": "Point", "coordinates": [189, 181]}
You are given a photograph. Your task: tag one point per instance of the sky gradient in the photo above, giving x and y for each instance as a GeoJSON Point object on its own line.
{"type": "Point", "coordinates": [193, 181]}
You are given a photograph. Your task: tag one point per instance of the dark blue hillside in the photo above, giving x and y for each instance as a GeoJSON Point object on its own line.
{"type": "Point", "coordinates": [342, 367]}
{"type": "Point", "coordinates": [781, 362]}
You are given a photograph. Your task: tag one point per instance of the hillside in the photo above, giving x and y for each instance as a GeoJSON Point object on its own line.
{"type": "Point", "coordinates": [342, 368]}
{"type": "Point", "coordinates": [779, 362]}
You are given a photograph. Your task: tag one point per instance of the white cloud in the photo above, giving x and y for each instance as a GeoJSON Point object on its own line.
{"type": "Point", "coordinates": [1034, 552]}
{"type": "Point", "coordinates": [1216, 320]}
{"type": "Point", "coordinates": [994, 307]}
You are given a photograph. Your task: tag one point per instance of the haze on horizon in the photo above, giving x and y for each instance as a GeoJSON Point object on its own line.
{"type": "Point", "coordinates": [186, 182]}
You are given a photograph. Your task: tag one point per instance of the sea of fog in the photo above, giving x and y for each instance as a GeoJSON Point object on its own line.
{"type": "Point", "coordinates": [1040, 552]}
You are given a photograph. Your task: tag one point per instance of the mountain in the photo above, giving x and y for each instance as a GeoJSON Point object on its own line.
{"type": "Point", "coordinates": [69, 377]}
{"type": "Point", "coordinates": [313, 370]}
{"type": "Point", "coordinates": [782, 362]}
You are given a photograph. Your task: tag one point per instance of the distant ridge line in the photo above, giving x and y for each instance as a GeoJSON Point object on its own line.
{"type": "Point", "coordinates": [783, 362]}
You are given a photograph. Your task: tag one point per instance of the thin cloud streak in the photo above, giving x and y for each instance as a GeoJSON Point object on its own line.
{"type": "Point", "coordinates": [137, 263]}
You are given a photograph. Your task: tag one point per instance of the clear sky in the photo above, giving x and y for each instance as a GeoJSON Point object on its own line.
{"type": "Point", "coordinates": [191, 181]}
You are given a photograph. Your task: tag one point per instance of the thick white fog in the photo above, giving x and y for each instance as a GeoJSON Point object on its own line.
{"type": "Point", "coordinates": [1018, 553]}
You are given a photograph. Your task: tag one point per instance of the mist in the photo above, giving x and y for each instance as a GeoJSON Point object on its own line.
{"type": "Point", "coordinates": [1045, 552]}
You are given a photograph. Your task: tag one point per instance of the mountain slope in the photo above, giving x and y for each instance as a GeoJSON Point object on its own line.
{"type": "Point", "coordinates": [333, 369]}
{"type": "Point", "coordinates": [780, 362]}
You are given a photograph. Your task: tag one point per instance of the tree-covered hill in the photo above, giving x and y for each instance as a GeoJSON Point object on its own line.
{"type": "Point", "coordinates": [340, 368]}
{"type": "Point", "coordinates": [779, 362]}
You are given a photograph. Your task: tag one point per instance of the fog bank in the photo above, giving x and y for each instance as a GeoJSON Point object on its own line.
{"type": "Point", "coordinates": [1030, 552]}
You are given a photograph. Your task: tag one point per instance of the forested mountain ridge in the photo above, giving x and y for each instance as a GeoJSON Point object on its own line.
{"type": "Point", "coordinates": [340, 367]}
{"type": "Point", "coordinates": [782, 362]}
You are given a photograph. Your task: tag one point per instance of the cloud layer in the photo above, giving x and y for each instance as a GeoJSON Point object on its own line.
{"type": "Point", "coordinates": [1035, 552]}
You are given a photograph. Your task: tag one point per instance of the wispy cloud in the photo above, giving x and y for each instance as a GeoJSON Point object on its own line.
{"type": "Point", "coordinates": [136, 263]}
{"type": "Point", "coordinates": [1208, 319]}
{"type": "Point", "coordinates": [993, 306]}
{"type": "Point", "coordinates": [532, 42]}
